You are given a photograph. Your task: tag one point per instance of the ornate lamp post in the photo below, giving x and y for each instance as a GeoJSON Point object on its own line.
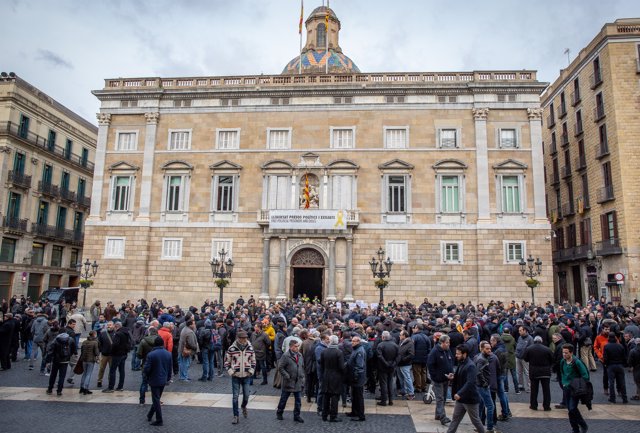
{"type": "Point", "coordinates": [381, 269]}
{"type": "Point", "coordinates": [527, 269]}
{"type": "Point", "coordinates": [87, 270]}
{"type": "Point", "coordinates": [221, 270]}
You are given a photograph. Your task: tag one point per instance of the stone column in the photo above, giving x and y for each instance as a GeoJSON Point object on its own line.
{"type": "Point", "coordinates": [98, 182]}
{"type": "Point", "coordinates": [283, 270]}
{"type": "Point", "coordinates": [348, 296]}
{"type": "Point", "coordinates": [537, 164]}
{"type": "Point", "coordinates": [147, 165]}
{"type": "Point", "coordinates": [331, 295]}
{"type": "Point", "coordinates": [264, 291]}
{"type": "Point", "coordinates": [482, 164]}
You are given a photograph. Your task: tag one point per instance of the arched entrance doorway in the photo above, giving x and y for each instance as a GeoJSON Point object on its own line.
{"type": "Point", "coordinates": [307, 269]}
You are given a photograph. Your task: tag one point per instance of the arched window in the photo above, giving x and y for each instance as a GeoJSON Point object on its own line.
{"type": "Point", "coordinates": [321, 36]}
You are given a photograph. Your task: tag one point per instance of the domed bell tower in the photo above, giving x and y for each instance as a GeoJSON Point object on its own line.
{"type": "Point", "coordinates": [317, 32]}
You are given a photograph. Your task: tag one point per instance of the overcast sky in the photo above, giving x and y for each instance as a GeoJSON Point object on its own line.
{"type": "Point", "coordinates": [67, 48]}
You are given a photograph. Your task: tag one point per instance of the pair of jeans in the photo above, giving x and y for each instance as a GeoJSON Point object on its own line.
{"type": "Point", "coordinates": [118, 363]}
{"type": "Point", "coordinates": [502, 396]}
{"type": "Point", "coordinates": [58, 369]}
{"type": "Point", "coordinates": [284, 396]}
{"type": "Point", "coordinates": [458, 413]}
{"type": "Point", "coordinates": [486, 402]}
{"type": "Point", "coordinates": [440, 390]}
{"type": "Point", "coordinates": [217, 355]}
{"type": "Point", "coordinates": [156, 407]}
{"type": "Point", "coordinates": [208, 368]}
{"type": "Point", "coordinates": [575, 417]}
{"type": "Point", "coordinates": [236, 384]}
{"type": "Point", "coordinates": [86, 375]}
{"type": "Point", "coordinates": [184, 362]}
{"type": "Point", "coordinates": [136, 362]}
{"type": "Point", "coordinates": [28, 345]}
{"type": "Point", "coordinates": [144, 385]}
{"type": "Point", "coordinates": [616, 377]}
{"type": "Point", "coordinates": [406, 378]}
{"type": "Point", "coordinates": [514, 378]}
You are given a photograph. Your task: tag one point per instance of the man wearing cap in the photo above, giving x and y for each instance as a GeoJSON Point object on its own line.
{"type": "Point", "coordinates": [240, 362]}
{"type": "Point", "coordinates": [540, 359]}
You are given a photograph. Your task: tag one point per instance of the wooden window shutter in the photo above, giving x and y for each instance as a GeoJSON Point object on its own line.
{"type": "Point", "coordinates": [603, 227]}
{"type": "Point", "coordinates": [615, 224]}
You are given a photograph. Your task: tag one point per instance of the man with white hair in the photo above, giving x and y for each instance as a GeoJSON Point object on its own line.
{"type": "Point", "coordinates": [540, 360]}
{"type": "Point", "coordinates": [388, 355]}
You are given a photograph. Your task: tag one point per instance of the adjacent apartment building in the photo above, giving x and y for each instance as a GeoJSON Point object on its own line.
{"type": "Point", "coordinates": [591, 142]}
{"type": "Point", "coordinates": [300, 177]}
{"type": "Point", "coordinates": [46, 170]}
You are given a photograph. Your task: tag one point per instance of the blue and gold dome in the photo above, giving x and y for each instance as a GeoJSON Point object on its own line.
{"type": "Point", "coordinates": [322, 53]}
{"type": "Point", "coordinates": [314, 62]}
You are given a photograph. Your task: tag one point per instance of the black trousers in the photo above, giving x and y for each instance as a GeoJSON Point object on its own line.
{"type": "Point", "coordinates": [156, 407]}
{"type": "Point", "coordinates": [330, 406]}
{"type": "Point", "coordinates": [5, 357]}
{"type": "Point", "coordinates": [311, 385]}
{"type": "Point", "coordinates": [357, 401]}
{"type": "Point", "coordinates": [386, 384]}
{"type": "Point", "coordinates": [60, 370]}
{"type": "Point", "coordinates": [546, 392]}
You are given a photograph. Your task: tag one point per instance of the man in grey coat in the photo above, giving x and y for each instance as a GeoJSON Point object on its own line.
{"type": "Point", "coordinates": [522, 365]}
{"type": "Point", "coordinates": [291, 368]}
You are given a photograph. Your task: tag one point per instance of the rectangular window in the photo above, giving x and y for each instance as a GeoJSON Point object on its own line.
{"type": "Point", "coordinates": [13, 210]}
{"type": "Point", "coordinates": [598, 112]}
{"type": "Point", "coordinates": [56, 256]}
{"type": "Point", "coordinates": [84, 159]}
{"type": "Point", "coordinates": [396, 138]}
{"type": "Point", "coordinates": [397, 251]}
{"type": "Point", "coordinates": [224, 199]}
{"type": "Point", "coordinates": [51, 141]}
{"type": "Point", "coordinates": [279, 190]}
{"type": "Point", "coordinates": [342, 192]}
{"type": "Point", "coordinates": [578, 130]}
{"type": "Point", "coordinates": [448, 138]}
{"type": "Point", "coordinates": [511, 194]}
{"type": "Point", "coordinates": [37, 258]}
{"type": "Point", "coordinates": [571, 235]}
{"type": "Point", "coordinates": [279, 138]}
{"type": "Point", "coordinates": [75, 253]}
{"type": "Point", "coordinates": [513, 251]}
{"type": "Point", "coordinates": [508, 138]}
{"type": "Point", "coordinates": [396, 194]}
{"type": "Point", "coordinates": [609, 226]}
{"type": "Point", "coordinates": [450, 194]}
{"type": "Point", "coordinates": [82, 187]}
{"type": "Point", "coordinates": [585, 232]}
{"type": "Point", "coordinates": [64, 181]}
{"type": "Point", "coordinates": [61, 220]}
{"type": "Point", "coordinates": [606, 174]}
{"type": "Point", "coordinates": [8, 250]}
{"type": "Point", "coordinates": [121, 193]}
{"type": "Point", "coordinates": [175, 193]}
{"type": "Point", "coordinates": [43, 213]}
{"type": "Point", "coordinates": [47, 174]}
{"type": "Point", "coordinates": [23, 128]}
{"type": "Point", "coordinates": [576, 91]}
{"type": "Point", "coordinates": [179, 140]}
{"type": "Point", "coordinates": [68, 149]}
{"type": "Point", "coordinates": [18, 163]}
{"type": "Point", "coordinates": [114, 248]}
{"type": "Point", "coordinates": [78, 220]}
{"type": "Point", "coordinates": [172, 248]}
{"type": "Point", "coordinates": [228, 139]}
{"type": "Point", "coordinates": [126, 140]}
{"type": "Point", "coordinates": [597, 73]}
{"type": "Point", "coordinates": [342, 138]}
{"type": "Point", "coordinates": [218, 245]}
{"type": "Point", "coordinates": [451, 252]}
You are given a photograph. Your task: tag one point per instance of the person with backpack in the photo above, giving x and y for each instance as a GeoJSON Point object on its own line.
{"type": "Point", "coordinates": [205, 341]}
{"type": "Point", "coordinates": [571, 368]}
{"type": "Point", "coordinates": [60, 354]}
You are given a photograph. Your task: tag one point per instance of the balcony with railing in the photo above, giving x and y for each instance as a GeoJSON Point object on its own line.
{"type": "Point", "coordinates": [577, 129]}
{"type": "Point", "coordinates": [581, 162]}
{"type": "Point", "coordinates": [14, 225]}
{"type": "Point", "coordinates": [608, 247]}
{"type": "Point", "coordinates": [566, 171]}
{"type": "Point", "coordinates": [55, 233]}
{"type": "Point", "coordinates": [14, 130]}
{"type": "Point", "coordinates": [84, 201]}
{"type": "Point", "coordinates": [562, 111]}
{"type": "Point", "coordinates": [582, 204]}
{"type": "Point", "coordinates": [568, 209]}
{"type": "Point", "coordinates": [564, 139]}
{"type": "Point", "coordinates": [555, 215]}
{"type": "Point", "coordinates": [603, 149]}
{"type": "Point", "coordinates": [19, 180]}
{"type": "Point", "coordinates": [551, 120]}
{"type": "Point", "coordinates": [606, 194]}
{"type": "Point", "coordinates": [48, 189]}
{"type": "Point", "coordinates": [598, 113]}
{"type": "Point", "coordinates": [575, 98]}
{"type": "Point", "coordinates": [595, 80]}
{"type": "Point", "coordinates": [67, 195]}
{"type": "Point", "coordinates": [555, 178]}
{"type": "Point", "coordinates": [352, 217]}
{"type": "Point", "coordinates": [570, 254]}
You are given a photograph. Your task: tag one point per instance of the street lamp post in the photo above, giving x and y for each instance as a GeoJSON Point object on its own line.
{"type": "Point", "coordinates": [381, 269]}
{"type": "Point", "coordinates": [86, 271]}
{"type": "Point", "coordinates": [221, 270]}
{"type": "Point", "coordinates": [528, 270]}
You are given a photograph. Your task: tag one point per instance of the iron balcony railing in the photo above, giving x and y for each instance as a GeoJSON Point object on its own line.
{"type": "Point", "coordinates": [14, 224]}
{"type": "Point", "coordinates": [608, 247]}
{"type": "Point", "coordinates": [19, 179]}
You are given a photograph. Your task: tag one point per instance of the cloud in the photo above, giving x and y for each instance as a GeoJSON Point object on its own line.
{"type": "Point", "coordinates": [53, 59]}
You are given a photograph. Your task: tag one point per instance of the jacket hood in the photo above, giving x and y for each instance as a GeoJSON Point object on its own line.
{"type": "Point", "coordinates": [63, 338]}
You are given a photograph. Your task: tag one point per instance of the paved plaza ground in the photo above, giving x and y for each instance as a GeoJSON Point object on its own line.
{"type": "Point", "coordinates": [206, 407]}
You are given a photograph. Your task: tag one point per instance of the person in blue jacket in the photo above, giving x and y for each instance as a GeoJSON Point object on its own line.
{"type": "Point", "coordinates": [157, 368]}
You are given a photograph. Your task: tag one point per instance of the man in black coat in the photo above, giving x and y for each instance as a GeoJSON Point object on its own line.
{"type": "Point", "coordinates": [332, 362]}
{"type": "Point", "coordinates": [540, 359]}
{"type": "Point", "coordinates": [614, 360]}
{"type": "Point", "coordinates": [7, 330]}
{"type": "Point", "coordinates": [388, 353]}
{"type": "Point", "coordinates": [119, 350]}
{"type": "Point", "coordinates": [465, 391]}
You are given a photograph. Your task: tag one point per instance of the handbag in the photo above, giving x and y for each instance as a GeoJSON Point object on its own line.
{"type": "Point", "coordinates": [79, 368]}
{"type": "Point", "coordinates": [579, 386]}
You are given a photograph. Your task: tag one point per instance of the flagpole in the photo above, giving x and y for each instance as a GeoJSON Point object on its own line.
{"type": "Point", "coordinates": [326, 25]}
{"type": "Point", "coordinates": [300, 32]}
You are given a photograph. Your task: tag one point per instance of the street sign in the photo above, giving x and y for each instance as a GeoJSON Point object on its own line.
{"type": "Point", "coordinates": [619, 277]}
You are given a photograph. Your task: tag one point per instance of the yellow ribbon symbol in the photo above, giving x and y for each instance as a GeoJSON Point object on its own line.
{"type": "Point", "coordinates": [339, 220]}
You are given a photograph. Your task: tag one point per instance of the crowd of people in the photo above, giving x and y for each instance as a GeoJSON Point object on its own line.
{"type": "Point", "coordinates": [472, 355]}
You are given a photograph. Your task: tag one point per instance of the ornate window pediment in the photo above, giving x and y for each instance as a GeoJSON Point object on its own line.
{"type": "Point", "coordinates": [343, 164]}
{"type": "Point", "coordinates": [123, 166]}
{"type": "Point", "coordinates": [278, 166]}
{"type": "Point", "coordinates": [225, 165]}
{"type": "Point", "coordinates": [177, 164]}
{"type": "Point", "coordinates": [511, 165]}
{"type": "Point", "coordinates": [396, 165]}
{"type": "Point", "coordinates": [310, 159]}
{"type": "Point", "coordinates": [450, 165]}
